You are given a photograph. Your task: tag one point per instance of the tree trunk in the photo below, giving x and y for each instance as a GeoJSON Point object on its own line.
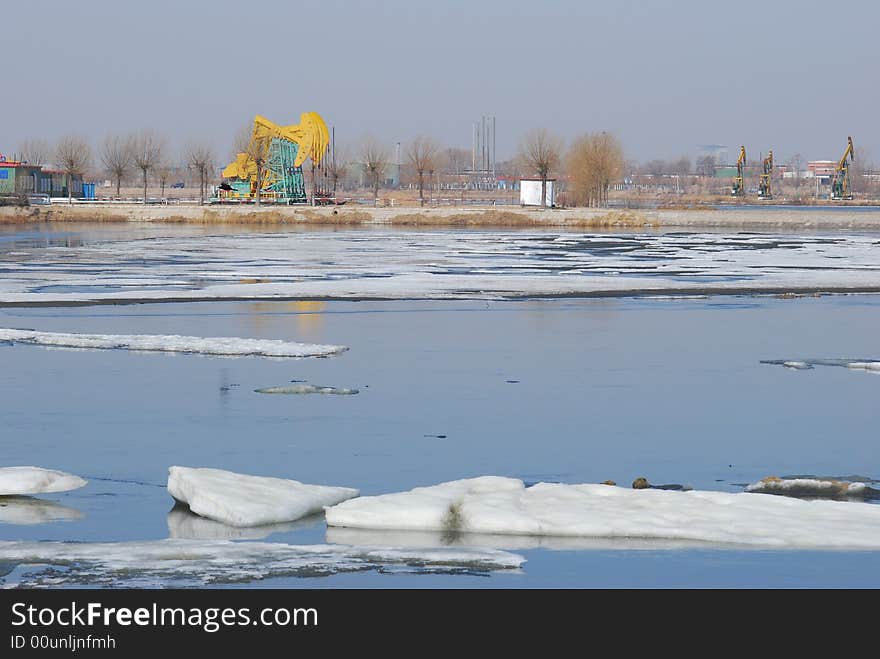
{"type": "Point", "coordinates": [543, 191]}
{"type": "Point", "coordinates": [118, 185]}
{"type": "Point", "coordinates": [259, 183]}
{"type": "Point", "coordinates": [314, 184]}
{"type": "Point", "coordinates": [69, 190]}
{"type": "Point", "coordinates": [421, 188]}
{"type": "Point", "coordinates": [145, 186]}
{"type": "Point", "coordinates": [375, 188]}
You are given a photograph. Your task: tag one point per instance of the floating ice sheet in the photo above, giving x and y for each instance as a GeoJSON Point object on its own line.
{"type": "Point", "coordinates": [243, 500]}
{"type": "Point", "coordinates": [495, 505]}
{"type": "Point", "coordinates": [194, 562]}
{"type": "Point", "coordinates": [36, 480]}
{"type": "Point", "coordinates": [222, 346]}
{"type": "Point", "coordinates": [871, 365]}
{"type": "Point", "coordinates": [825, 488]}
{"type": "Point", "coordinates": [306, 389]}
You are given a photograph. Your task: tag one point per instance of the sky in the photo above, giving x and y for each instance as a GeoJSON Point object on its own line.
{"type": "Point", "coordinates": [665, 78]}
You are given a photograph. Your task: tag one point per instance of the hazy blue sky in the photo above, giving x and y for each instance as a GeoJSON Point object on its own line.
{"type": "Point", "coordinates": [665, 77]}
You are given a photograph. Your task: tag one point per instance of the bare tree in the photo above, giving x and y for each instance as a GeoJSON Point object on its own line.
{"type": "Point", "coordinates": [594, 161]}
{"type": "Point", "coordinates": [117, 154]}
{"type": "Point", "coordinates": [795, 163]}
{"type": "Point", "coordinates": [421, 154]}
{"type": "Point", "coordinates": [147, 154]}
{"type": "Point", "coordinates": [35, 152]}
{"type": "Point", "coordinates": [336, 168]}
{"type": "Point", "coordinates": [706, 166]}
{"type": "Point", "coordinates": [540, 152]}
{"type": "Point", "coordinates": [375, 158]}
{"type": "Point", "coordinates": [456, 160]}
{"type": "Point", "coordinates": [200, 157]}
{"type": "Point", "coordinates": [164, 171]}
{"type": "Point", "coordinates": [73, 157]}
{"type": "Point", "coordinates": [256, 152]}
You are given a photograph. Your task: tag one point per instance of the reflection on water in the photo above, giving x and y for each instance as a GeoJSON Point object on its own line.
{"type": "Point", "coordinates": [425, 539]}
{"type": "Point", "coordinates": [31, 510]}
{"type": "Point", "coordinates": [182, 523]}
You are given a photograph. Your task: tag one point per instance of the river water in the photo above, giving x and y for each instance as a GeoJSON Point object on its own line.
{"type": "Point", "coordinates": [567, 390]}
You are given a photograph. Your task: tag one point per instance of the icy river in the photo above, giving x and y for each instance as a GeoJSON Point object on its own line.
{"type": "Point", "coordinates": [701, 360]}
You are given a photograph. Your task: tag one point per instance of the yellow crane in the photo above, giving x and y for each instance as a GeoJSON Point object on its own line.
{"type": "Point", "coordinates": [739, 189]}
{"type": "Point", "coordinates": [840, 187]}
{"type": "Point", "coordinates": [765, 186]}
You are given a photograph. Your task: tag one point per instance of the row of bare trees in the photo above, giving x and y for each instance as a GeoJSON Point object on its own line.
{"type": "Point", "coordinates": [145, 153]}
{"type": "Point", "coordinates": [592, 162]}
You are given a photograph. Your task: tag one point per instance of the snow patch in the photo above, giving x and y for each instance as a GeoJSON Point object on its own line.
{"type": "Point", "coordinates": [243, 500]}
{"type": "Point", "coordinates": [36, 480]}
{"type": "Point", "coordinates": [220, 346]}
{"type": "Point", "coordinates": [494, 505]}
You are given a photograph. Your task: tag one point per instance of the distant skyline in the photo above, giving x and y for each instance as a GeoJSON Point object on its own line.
{"type": "Point", "coordinates": [795, 77]}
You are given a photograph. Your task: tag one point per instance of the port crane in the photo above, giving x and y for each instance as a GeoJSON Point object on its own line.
{"type": "Point", "coordinates": [739, 189]}
{"type": "Point", "coordinates": [840, 187]}
{"type": "Point", "coordinates": [765, 190]}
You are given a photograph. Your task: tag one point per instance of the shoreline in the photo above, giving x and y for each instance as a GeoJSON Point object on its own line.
{"type": "Point", "coordinates": [817, 217]}
{"type": "Point", "coordinates": [778, 292]}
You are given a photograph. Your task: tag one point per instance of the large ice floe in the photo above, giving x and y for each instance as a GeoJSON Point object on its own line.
{"type": "Point", "coordinates": [244, 500]}
{"type": "Point", "coordinates": [220, 346]}
{"type": "Point", "coordinates": [497, 505]}
{"type": "Point", "coordinates": [36, 480]}
{"type": "Point", "coordinates": [192, 562]}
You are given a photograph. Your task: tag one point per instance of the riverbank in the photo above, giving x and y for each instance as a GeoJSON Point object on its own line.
{"type": "Point", "coordinates": [472, 217]}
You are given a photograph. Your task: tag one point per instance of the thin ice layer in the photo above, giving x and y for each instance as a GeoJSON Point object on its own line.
{"type": "Point", "coordinates": [243, 500]}
{"type": "Point", "coordinates": [36, 480]}
{"type": "Point", "coordinates": [184, 562]}
{"type": "Point", "coordinates": [495, 505]}
{"type": "Point", "coordinates": [223, 346]}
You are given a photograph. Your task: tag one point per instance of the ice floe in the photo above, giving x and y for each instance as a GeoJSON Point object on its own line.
{"type": "Point", "coordinates": [194, 562]}
{"type": "Point", "coordinates": [244, 500]}
{"type": "Point", "coordinates": [36, 480]}
{"type": "Point", "coordinates": [29, 510]}
{"type": "Point", "coordinates": [871, 365]}
{"type": "Point", "coordinates": [221, 346]}
{"type": "Point", "coordinates": [814, 488]}
{"type": "Point", "coordinates": [306, 389]}
{"type": "Point", "coordinates": [497, 505]}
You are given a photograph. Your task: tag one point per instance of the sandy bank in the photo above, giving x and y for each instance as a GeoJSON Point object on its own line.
{"type": "Point", "coordinates": [514, 216]}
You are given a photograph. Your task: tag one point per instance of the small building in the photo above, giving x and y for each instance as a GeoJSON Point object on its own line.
{"type": "Point", "coordinates": [530, 192]}
{"type": "Point", "coordinates": [23, 178]}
